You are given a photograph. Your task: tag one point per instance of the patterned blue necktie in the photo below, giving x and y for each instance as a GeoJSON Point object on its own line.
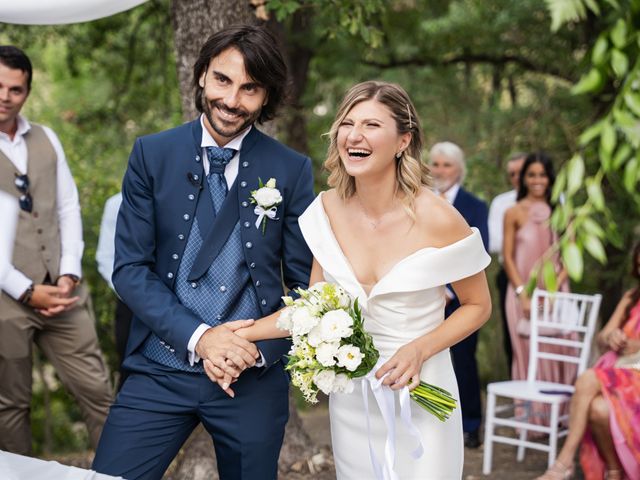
{"type": "Point", "coordinates": [218, 160]}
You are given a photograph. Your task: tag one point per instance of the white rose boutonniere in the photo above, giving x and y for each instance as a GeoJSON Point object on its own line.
{"type": "Point", "coordinates": [266, 198]}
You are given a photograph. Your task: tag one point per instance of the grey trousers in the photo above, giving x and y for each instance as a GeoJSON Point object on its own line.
{"type": "Point", "coordinates": [70, 343]}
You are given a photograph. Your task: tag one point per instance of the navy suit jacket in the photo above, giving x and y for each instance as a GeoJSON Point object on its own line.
{"type": "Point", "coordinates": [160, 192]}
{"type": "Point", "coordinates": [476, 214]}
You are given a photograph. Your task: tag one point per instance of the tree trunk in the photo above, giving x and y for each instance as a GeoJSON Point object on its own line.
{"type": "Point", "coordinates": [193, 21]}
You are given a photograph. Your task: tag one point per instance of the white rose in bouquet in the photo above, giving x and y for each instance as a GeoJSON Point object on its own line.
{"type": "Point", "coordinates": [284, 321]}
{"type": "Point", "coordinates": [349, 357]}
{"type": "Point", "coordinates": [335, 325]}
{"type": "Point", "coordinates": [342, 384]}
{"type": "Point", "coordinates": [302, 321]}
{"type": "Point", "coordinates": [324, 380]}
{"type": "Point", "coordinates": [266, 197]}
{"type": "Point", "coordinates": [315, 336]}
{"type": "Point", "coordinates": [326, 353]}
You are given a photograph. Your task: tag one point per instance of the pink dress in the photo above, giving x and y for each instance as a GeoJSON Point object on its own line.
{"type": "Point", "coordinates": [621, 390]}
{"type": "Point", "coordinates": [532, 240]}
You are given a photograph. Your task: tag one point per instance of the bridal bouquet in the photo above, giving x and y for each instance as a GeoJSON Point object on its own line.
{"type": "Point", "coordinates": [331, 347]}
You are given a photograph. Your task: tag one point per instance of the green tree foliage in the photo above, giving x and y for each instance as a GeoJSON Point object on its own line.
{"type": "Point", "coordinates": [99, 85]}
{"type": "Point", "coordinates": [604, 172]}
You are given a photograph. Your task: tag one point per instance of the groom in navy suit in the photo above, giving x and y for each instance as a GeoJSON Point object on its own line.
{"type": "Point", "coordinates": [448, 168]}
{"type": "Point", "coordinates": [196, 258]}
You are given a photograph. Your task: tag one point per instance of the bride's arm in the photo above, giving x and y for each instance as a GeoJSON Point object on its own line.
{"type": "Point", "coordinates": [475, 309]}
{"type": "Point", "coordinates": [265, 328]}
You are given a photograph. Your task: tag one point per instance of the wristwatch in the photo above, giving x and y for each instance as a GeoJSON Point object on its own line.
{"type": "Point", "coordinates": [519, 289]}
{"type": "Point", "coordinates": [25, 298]}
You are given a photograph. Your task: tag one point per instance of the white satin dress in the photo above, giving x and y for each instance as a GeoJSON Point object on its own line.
{"type": "Point", "coordinates": [406, 303]}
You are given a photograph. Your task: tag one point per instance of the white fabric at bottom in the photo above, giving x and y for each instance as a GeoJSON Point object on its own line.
{"type": "Point", "coordinates": [18, 467]}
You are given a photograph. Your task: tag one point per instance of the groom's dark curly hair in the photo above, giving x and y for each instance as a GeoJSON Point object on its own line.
{"type": "Point", "coordinates": [262, 60]}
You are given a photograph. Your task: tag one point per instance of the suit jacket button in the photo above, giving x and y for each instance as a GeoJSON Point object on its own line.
{"type": "Point", "coordinates": [263, 302]}
{"type": "Point", "coordinates": [197, 158]}
{"type": "Point", "coordinates": [243, 184]}
{"type": "Point", "coordinates": [252, 265]}
{"type": "Point", "coordinates": [245, 164]}
{"type": "Point", "coordinates": [175, 256]}
{"type": "Point", "coordinates": [257, 283]}
{"type": "Point", "coordinates": [247, 224]}
{"type": "Point", "coordinates": [196, 177]}
{"type": "Point", "coordinates": [245, 204]}
{"type": "Point", "coordinates": [169, 275]}
{"type": "Point", "coordinates": [248, 245]}
{"type": "Point", "coordinates": [180, 236]}
{"type": "Point", "coordinates": [191, 196]}
{"type": "Point", "coordinates": [186, 216]}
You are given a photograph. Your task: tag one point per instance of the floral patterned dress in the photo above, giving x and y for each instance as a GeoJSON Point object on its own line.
{"type": "Point", "coordinates": [621, 389]}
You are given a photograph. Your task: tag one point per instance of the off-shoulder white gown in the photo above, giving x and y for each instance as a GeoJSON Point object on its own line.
{"type": "Point", "coordinates": [405, 304]}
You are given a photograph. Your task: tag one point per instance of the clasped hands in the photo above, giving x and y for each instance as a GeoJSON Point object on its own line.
{"type": "Point", "coordinates": [620, 343]}
{"type": "Point", "coordinates": [226, 354]}
{"type": "Point", "coordinates": [51, 300]}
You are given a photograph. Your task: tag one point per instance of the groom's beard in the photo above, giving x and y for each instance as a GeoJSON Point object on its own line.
{"type": "Point", "coordinates": [218, 126]}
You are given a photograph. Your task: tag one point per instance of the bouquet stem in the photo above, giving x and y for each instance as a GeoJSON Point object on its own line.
{"type": "Point", "coordinates": [434, 400]}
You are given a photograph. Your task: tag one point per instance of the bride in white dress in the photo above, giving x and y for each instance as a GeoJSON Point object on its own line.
{"type": "Point", "coordinates": [385, 237]}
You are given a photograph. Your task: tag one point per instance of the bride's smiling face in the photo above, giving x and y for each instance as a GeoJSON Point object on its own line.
{"type": "Point", "coordinates": [368, 139]}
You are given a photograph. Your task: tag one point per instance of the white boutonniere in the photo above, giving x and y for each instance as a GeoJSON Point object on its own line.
{"type": "Point", "coordinates": [266, 198]}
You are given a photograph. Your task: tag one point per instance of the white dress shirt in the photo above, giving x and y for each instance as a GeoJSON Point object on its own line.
{"type": "Point", "coordinates": [450, 195]}
{"type": "Point", "coordinates": [15, 283]}
{"type": "Point", "coordinates": [230, 174]}
{"type": "Point", "coordinates": [498, 208]}
{"type": "Point", "coordinates": [106, 250]}
{"type": "Point", "coordinates": [9, 220]}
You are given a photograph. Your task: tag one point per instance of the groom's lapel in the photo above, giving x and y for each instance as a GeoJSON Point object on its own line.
{"type": "Point", "coordinates": [228, 215]}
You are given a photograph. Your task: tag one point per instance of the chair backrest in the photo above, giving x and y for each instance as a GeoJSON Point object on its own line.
{"type": "Point", "coordinates": [566, 322]}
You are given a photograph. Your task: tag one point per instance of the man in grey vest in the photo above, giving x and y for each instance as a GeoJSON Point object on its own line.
{"type": "Point", "coordinates": [42, 300]}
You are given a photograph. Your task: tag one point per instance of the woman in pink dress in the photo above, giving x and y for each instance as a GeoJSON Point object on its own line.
{"type": "Point", "coordinates": [605, 408]}
{"type": "Point", "coordinates": [527, 238]}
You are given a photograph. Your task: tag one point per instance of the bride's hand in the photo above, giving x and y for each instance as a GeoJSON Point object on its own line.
{"type": "Point", "coordinates": [403, 368]}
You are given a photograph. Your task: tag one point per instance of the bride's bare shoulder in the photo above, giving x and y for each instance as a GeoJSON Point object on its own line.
{"type": "Point", "coordinates": [331, 202]}
{"type": "Point", "coordinates": [439, 221]}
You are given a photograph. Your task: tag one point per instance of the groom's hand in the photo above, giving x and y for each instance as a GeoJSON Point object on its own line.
{"type": "Point", "coordinates": [221, 343]}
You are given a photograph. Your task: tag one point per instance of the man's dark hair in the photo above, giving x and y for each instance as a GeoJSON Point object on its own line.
{"type": "Point", "coordinates": [547, 164]}
{"type": "Point", "coordinates": [15, 58]}
{"type": "Point", "coordinates": [262, 60]}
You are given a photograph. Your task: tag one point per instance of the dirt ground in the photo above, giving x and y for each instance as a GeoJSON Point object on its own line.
{"type": "Point", "coordinates": [316, 421]}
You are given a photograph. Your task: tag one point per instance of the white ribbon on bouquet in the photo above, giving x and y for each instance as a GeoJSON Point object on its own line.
{"type": "Point", "coordinates": [261, 212]}
{"type": "Point", "coordinates": [385, 398]}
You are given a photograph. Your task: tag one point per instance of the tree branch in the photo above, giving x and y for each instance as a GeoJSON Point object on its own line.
{"type": "Point", "coordinates": [469, 58]}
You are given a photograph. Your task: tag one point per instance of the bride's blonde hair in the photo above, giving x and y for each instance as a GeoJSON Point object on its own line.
{"type": "Point", "coordinates": [411, 172]}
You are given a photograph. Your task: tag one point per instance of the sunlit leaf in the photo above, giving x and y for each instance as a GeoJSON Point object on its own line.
{"type": "Point", "coordinates": [619, 33]}
{"type": "Point", "coordinates": [608, 138]}
{"type": "Point", "coordinates": [592, 228]}
{"type": "Point", "coordinates": [633, 102]}
{"type": "Point", "coordinates": [575, 174]}
{"type": "Point", "coordinates": [594, 246]}
{"type": "Point", "coordinates": [549, 276]}
{"type": "Point", "coordinates": [589, 83]}
{"type": "Point", "coordinates": [572, 257]}
{"type": "Point", "coordinates": [590, 133]}
{"type": "Point", "coordinates": [631, 175]}
{"type": "Point", "coordinates": [619, 63]}
{"type": "Point", "coordinates": [595, 194]}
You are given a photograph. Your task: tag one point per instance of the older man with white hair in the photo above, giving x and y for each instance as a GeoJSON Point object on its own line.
{"type": "Point", "coordinates": [448, 170]}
